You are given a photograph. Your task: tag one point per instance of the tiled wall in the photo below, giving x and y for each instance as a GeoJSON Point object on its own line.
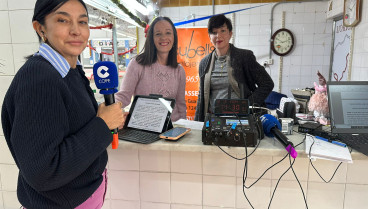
{"type": "Point", "coordinates": [313, 34]}
{"type": "Point", "coordinates": [17, 40]}
{"type": "Point", "coordinates": [155, 179]}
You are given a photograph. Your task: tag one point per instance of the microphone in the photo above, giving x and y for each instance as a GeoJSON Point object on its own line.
{"type": "Point", "coordinates": [272, 127]}
{"type": "Point", "coordinates": [106, 78]}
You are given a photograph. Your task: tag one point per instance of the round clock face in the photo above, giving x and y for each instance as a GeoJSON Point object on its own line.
{"type": "Point", "coordinates": [351, 9]}
{"type": "Point", "coordinates": [282, 42]}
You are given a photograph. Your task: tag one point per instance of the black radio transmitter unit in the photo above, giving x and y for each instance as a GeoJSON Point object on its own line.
{"type": "Point", "coordinates": [227, 130]}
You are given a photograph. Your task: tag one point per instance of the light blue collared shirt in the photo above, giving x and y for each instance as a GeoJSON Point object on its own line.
{"type": "Point", "coordinates": [56, 60]}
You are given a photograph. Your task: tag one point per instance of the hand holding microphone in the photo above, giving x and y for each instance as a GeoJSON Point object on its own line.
{"type": "Point", "coordinates": [113, 114]}
{"type": "Point", "coordinates": [106, 78]}
{"type": "Point", "coordinates": [271, 127]}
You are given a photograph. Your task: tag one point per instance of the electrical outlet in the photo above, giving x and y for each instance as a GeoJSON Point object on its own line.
{"type": "Point", "coordinates": [268, 62]}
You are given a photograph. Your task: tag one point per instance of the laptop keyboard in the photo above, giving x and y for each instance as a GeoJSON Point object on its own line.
{"type": "Point", "coordinates": [349, 139]}
{"type": "Point", "coordinates": [138, 136]}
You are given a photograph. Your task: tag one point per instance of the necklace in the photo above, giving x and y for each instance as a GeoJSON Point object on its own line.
{"type": "Point", "coordinates": [222, 62]}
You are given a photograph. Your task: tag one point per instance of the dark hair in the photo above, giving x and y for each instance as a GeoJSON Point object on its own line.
{"type": "Point", "coordinates": [45, 7]}
{"type": "Point", "coordinates": [218, 21]}
{"type": "Point", "coordinates": [149, 54]}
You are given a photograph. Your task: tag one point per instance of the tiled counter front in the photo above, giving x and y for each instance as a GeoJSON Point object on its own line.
{"type": "Point", "coordinates": [190, 175]}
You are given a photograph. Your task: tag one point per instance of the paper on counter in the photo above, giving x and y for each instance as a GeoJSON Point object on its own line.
{"type": "Point", "coordinates": [327, 150]}
{"type": "Point", "coordinates": [194, 125]}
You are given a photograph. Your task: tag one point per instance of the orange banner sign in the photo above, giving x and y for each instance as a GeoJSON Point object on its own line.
{"type": "Point", "coordinates": [193, 45]}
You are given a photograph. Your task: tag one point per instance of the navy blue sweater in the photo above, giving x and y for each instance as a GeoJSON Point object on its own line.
{"type": "Point", "coordinates": [56, 140]}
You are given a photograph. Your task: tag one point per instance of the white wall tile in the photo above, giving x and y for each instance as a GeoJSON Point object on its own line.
{"type": "Point", "coordinates": [126, 159]}
{"type": "Point", "coordinates": [174, 13]}
{"type": "Point", "coordinates": [21, 51]}
{"type": "Point", "coordinates": [258, 194]}
{"type": "Point", "coordinates": [255, 9]}
{"type": "Point", "coordinates": [219, 191]}
{"type": "Point", "coordinates": [5, 35]}
{"type": "Point", "coordinates": [124, 185]}
{"type": "Point", "coordinates": [318, 61]}
{"type": "Point", "coordinates": [307, 60]}
{"type": "Point", "coordinates": [318, 193]}
{"type": "Point", "coordinates": [1, 200]}
{"type": "Point", "coordinates": [5, 155]}
{"type": "Point", "coordinates": [184, 13]}
{"type": "Point", "coordinates": [209, 207]}
{"type": "Point", "coordinates": [288, 192]}
{"type": "Point", "coordinates": [222, 9]}
{"type": "Point", "coordinates": [300, 167]}
{"type": "Point", "coordinates": [308, 50]}
{"type": "Point", "coordinates": [218, 164]}
{"type": "Point", "coordinates": [21, 4]}
{"type": "Point", "coordinates": [4, 85]}
{"type": "Point", "coordinates": [357, 172]}
{"type": "Point", "coordinates": [242, 19]}
{"type": "Point", "coordinates": [180, 206]}
{"type": "Point", "coordinates": [6, 59]}
{"type": "Point", "coordinates": [186, 162]}
{"type": "Point", "coordinates": [3, 4]}
{"type": "Point", "coordinates": [150, 205]}
{"type": "Point", "coordinates": [152, 160]}
{"type": "Point", "coordinates": [22, 31]}
{"type": "Point", "coordinates": [257, 165]}
{"type": "Point", "coordinates": [10, 200]}
{"type": "Point", "coordinates": [155, 187]}
{"type": "Point", "coordinates": [356, 196]}
{"type": "Point", "coordinates": [9, 177]}
{"type": "Point", "coordinates": [121, 204]}
{"type": "Point", "coordinates": [186, 189]}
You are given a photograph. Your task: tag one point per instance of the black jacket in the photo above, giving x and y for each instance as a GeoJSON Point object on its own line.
{"type": "Point", "coordinates": [56, 140]}
{"type": "Point", "coordinates": [257, 82]}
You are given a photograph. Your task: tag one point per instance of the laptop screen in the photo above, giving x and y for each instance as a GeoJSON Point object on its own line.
{"type": "Point", "coordinates": [149, 113]}
{"type": "Point", "coordinates": [348, 103]}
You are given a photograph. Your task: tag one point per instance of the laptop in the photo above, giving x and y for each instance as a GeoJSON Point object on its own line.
{"type": "Point", "coordinates": [348, 103]}
{"type": "Point", "coordinates": [149, 116]}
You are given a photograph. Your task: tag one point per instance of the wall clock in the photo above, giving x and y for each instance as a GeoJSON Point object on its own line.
{"type": "Point", "coordinates": [351, 12]}
{"type": "Point", "coordinates": [282, 42]}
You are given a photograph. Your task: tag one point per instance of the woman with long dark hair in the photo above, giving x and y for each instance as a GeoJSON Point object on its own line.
{"type": "Point", "coordinates": [56, 132]}
{"type": "Point", "coordinates": [156, 69]}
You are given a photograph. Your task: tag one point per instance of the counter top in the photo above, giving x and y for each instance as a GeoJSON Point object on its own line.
{"type": "Point", "coordinates": [192, 142]}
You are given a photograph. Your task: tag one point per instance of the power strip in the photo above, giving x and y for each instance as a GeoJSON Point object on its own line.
{"type": "Point", "coordinates": [309, 127]}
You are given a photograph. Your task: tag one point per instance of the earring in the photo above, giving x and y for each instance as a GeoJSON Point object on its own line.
{"type": "Point", "coordinates": [43, 39]}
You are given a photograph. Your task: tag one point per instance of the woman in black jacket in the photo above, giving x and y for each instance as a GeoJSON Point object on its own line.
{"type": "Point", "coordinates": [55, 130]}
{"type": "Point", "coordinates": [229, 72]}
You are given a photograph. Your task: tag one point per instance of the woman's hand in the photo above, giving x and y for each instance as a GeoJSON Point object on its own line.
{"type": "Point", "coordinates": [113, 115]}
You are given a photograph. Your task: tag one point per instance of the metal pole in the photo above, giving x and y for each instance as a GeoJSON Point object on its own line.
{"type": "Point", "coordinates": [115, 42]}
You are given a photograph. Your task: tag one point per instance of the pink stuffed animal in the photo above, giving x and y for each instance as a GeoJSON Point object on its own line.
{"type": "Point", "coordinates": [318, 102]}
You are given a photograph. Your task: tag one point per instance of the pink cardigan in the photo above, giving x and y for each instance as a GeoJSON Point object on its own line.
{"type": "Point", "coordinates": [154, 79]}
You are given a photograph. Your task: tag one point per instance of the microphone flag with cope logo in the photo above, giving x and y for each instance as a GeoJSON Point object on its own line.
{"type": "Point", "coordinates": [272, 127]}
{"type": "Point", "coordinates": [106, 77]}
{"type": "Point", "coordinates": [269, 122]}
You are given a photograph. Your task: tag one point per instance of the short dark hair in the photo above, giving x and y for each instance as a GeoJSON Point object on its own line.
{"type": "Point", "coordinates": [148, 56]}
{"type": "Point", "coordinates": [45, 7]}
{"type": "Point", "coordinates": [217, 21]}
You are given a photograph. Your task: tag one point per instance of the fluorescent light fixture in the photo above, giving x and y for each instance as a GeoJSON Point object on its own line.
{"type": "Point", "coordinates": [110, 8]}
{"type": "Point", "coordinates": [137, 6]}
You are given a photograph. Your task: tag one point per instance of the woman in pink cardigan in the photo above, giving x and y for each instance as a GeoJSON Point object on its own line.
{"type": "Point", "coordinates": [156, 69]}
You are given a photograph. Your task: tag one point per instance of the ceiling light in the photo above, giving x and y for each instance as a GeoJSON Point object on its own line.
{"type": "Point", "coordinates": [136, 6]}
{"type": "Point", "coordinates": [112, 9]}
